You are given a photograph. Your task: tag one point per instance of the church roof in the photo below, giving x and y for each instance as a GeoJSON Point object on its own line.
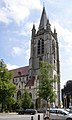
{"type": "Point", "coordinates": [22, 71]}
{"type": "Point", "coordinates": [43, 21]}
{"type": "Point", "coordinates": [30, 82]}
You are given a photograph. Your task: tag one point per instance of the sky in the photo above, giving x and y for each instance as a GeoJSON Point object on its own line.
{"type": "Point", "coordinates": [16, 21]}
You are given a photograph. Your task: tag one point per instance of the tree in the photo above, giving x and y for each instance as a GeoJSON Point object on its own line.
{"type": "Point", "coordinates": [26, 100]}
{"type": "Point", "coordinates": [46, 80]}
{"type": "Point", "coordinates": [7, 88]}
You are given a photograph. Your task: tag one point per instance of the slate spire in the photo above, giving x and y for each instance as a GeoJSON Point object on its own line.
{"type": "Point", "coordinates": [43, 20]}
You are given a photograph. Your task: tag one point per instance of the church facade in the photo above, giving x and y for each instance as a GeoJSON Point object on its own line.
{"type": "Point", "coordinates": [44, 46]}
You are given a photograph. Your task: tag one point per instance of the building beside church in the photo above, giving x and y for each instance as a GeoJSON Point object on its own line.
{"type": "Point", "coordinates": [66, 93]}
{"type": "Point", "coordinates": [44, 46]}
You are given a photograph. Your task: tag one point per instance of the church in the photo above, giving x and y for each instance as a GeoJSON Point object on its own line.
{"type": "Point", "coordinates": [45, 47]}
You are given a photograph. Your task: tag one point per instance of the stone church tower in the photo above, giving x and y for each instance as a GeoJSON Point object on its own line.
{"type": "Point", "coordinates": [44, 46]}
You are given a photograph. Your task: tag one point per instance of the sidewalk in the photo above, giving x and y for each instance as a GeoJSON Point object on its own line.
{"type": "Point", "coordinates": [9, 113]}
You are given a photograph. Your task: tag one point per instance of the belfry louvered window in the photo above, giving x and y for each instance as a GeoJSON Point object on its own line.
{"type": "Point", "coordinates": [42, 47]}
{"type": "Point", "coordinates": [38, 47]}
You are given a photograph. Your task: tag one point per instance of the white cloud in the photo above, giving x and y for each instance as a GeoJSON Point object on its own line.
{"type": "Point", "coordinates": [18, 10]}
{"type": "Point", "coordinates": [27, 56]}
{"type": "Point", "coordinates": [10, 67]}
{"type": "Point", "coordinates": [28, 27]}
{"type": "Point", "coordinates": [54, 2]}
{"type": "Point", "coordinates": [64, 35]}
{"type": "Point", "coordinates": [27, 51]}
{"type": "Point", "coordinates": [68, 62]}
{"type": "Point", "coordinates": [17, 51]}
{"type": "Point", "coordinates": [3, 16]}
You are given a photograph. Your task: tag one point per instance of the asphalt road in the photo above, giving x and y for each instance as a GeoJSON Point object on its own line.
{"type": "Point", "coordinates": [19, 117]}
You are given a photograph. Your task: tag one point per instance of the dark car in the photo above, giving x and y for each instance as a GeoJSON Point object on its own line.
{"type": "Point", "coordinates": [41, 110]}
{"type": "Point", "coordinates": [30, 111]}
{"type": "Point", "coordinates": [27, 111]}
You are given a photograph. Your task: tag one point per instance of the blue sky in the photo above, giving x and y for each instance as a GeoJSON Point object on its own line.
{"type": "Point", "coordinates": [16, 20]}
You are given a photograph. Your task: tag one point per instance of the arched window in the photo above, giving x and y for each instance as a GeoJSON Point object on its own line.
{"type": "Point", "coordinates": [42, 46]}
{"type": "Point", "coordinates": [53, 47]}
{"type": "Point", "coordinates": [38, 47]}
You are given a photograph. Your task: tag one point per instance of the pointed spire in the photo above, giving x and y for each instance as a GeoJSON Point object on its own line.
{"type": "Point", "coordinates": [43, 20]}
{"type": "Point", "coordinates": [48, 25]}
{"type": "Point", "coordinates": [33, 30]}
{"type": "Point", "coordinates": [55, 33]}
{"type": "Point", "coordinates": [54, 30]}
{"type": "Point", "coordinates": [34, 26]}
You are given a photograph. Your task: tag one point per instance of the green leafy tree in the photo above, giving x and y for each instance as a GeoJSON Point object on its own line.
{"type": "Point", "coordinates": [7, 88]}
{"type": "Point", "coordinates": [26, 100]}
{"type": "Point", "coordinates": [46, 82]}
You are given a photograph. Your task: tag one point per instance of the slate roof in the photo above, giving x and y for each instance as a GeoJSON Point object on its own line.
{"type": "Point", "coordinates": [22, 71]}
{"type": "Point", "coordinates": [30, 82]}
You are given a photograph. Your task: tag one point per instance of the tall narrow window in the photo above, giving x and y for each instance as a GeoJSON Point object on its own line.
{"type": "Point", "coordinates": [42, 46]}
{"type": "Point", "coordinates": [38, 47]}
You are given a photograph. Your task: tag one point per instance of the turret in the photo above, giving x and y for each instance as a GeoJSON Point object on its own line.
{"type": "Point", "coordinates": [55, 34]}
{"type": "Point", "coordinates": [48, 26]}
{"type": "Point", "coordinates": [33, 31]}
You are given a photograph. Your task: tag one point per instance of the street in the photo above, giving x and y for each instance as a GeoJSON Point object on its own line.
{"type": "Point", "coordinates": [19, 117]}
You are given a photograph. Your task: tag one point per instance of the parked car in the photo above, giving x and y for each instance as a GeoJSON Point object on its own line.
{"type": "Point", "coordinates": [30, 111]}
{"type": "Point", "coordinates": [41, 110]}
{"type": "Point", "coordinates": [70, 109]}
{"type": "Point", "coordinates": [58, 114]}
{"type": "Point", "coordinates": [27, 111]}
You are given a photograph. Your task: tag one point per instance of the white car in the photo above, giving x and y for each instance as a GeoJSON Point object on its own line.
{"type": "Point", "coordinates": [58, 114]}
